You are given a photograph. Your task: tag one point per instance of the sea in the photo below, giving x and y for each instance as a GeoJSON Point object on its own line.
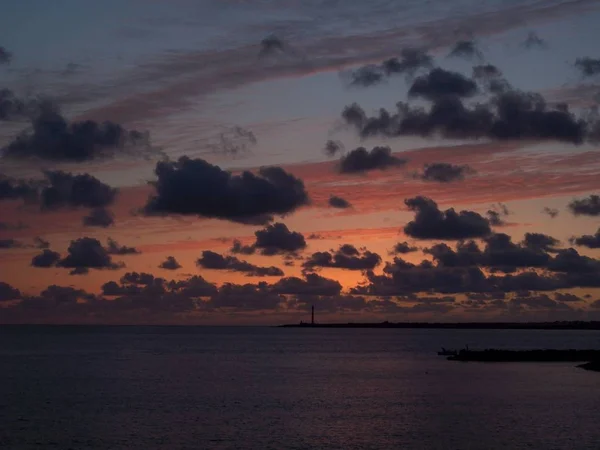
{"type": "Point", "coordinates": [70, 387]}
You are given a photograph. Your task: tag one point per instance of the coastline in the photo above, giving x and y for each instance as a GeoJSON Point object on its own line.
{"type": "Point", "coordinates": [592, 325]}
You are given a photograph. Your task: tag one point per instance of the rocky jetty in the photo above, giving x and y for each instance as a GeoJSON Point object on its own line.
{"type": "Point", "coordinates": [592, 365]}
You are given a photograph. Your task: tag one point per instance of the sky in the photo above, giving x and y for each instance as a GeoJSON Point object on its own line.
{"type": "Point", "coordinates": [223, 162]}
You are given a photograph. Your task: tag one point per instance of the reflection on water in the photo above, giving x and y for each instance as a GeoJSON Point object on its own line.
{"type": "Point", "coordinates": [262, 388]}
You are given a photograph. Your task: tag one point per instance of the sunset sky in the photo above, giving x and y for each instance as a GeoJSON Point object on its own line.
{"type": "Point", "coordinates": [266, 103]}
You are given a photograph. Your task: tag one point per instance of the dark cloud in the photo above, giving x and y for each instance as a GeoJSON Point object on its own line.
{"type": "Point", "coordinates": [277, 238]}
{"type": "Point", "coordinates": [444, 172]}
{"type": "Point", "coordinates": [195, 187]}
{"type": "Point", "coordinates": [595, 304]}
{"type": "Point", "coordinates": [570, 261]}
{"type": "Point", "coordinates": [354, 115]}
{"type": "Point", "coordinates": [533, 41]}
{"type": "Point", "coordinates": [237, 247]}
{"type": "Point", "coordinates": [501, 208]}
{"type": "Point", "coordinates": [153, 301]}
{"type": "Point", "coordinates": [587, 240]}
{"type": "Point", "coordinates": [495, 218]}
{"type": "Point", "coordinates": [7, 292]}
{"type": "Point", "coordinates": [366, 76]}
{"type": "Point", "coordinates": [566, 297]}
{"type": "Point", "coordinates": [136, 283]}
{"type": "Point", "coordinates": [142, 298]}
{"type": "Point", "coordinates": [338, 202]}
{"type": "Point", "coordinates": [509, 114]}
{"type": "Point", "coordinates": [497, 86]}
{"type": "Point", "coordinates": [112, 288]}
{"type": "Point", "coordinates": [460, 271]}
{"type": "Point", "coordinates": [541, 242]}
{"type": "Point", "coordinates": [432, 223]}
{"type": "Point", "coordinates": [541, 301]}
{"type": "Point", "coordinates": [99, 217]}
{"type": "Point", "coordinates": [465, 254]}
{"type": "Point", "coordinates": [486, 296]}
{"type": "Point", "coordinates": [68, 190]}
{"type": "Point", "coordinates": [411, 59]}
{"type": "Point", "coordinates": [414, 298]}
{"type": "Point", "coordinates": [332, 148]}
{"type": "Point", "coordinates": [10, 243]}
{"type": "Point", "coordinates": [439, 83]}
{"type": "Point", "coordinates": [11, 189]}
{"type": "Point", "coordinates": [213, 260]}
{"type": "Point", "coordinates": [157, 301]}
{"type": "Point", "coordinates": [588, 206]}
{"type": "Point", "coordinates": [361, 160]}
{"type": "Point", "coordinates": [195, 286]}
{"type": "Point", "coordinates": [271, 240]}
{"type": "Point", "coordinates": [170, 264]}
{"type": "Point", "coordinates": [403, 248]}
{"type": "Point", "coordinates": [55, 300]}
{"type": "Point", "coordinates": [346, 257]}
{"type": "Point", "coordinates": [272, 45]}
{"type": "Point", "coordinates": [402, 278]}
{"type": "Point", "coordinates": [312, 284]}
{"type": "Point", "coordinates": [11, 106]}
{"type": "Point", "coordinates": [521, 115]}
{"type": "Point", "coordinates": [5, 56]}
{"type": "Point", "coordinates": [499, 254]}
{"type": "Point", "coordinates": [47, 258]}
{"type": "Point", "coordinates": [330, 304]}
{"type": "Point", "coordinates": [485, 72]}
{"type": "Point", "coordinates": [466, 50]}
{"type": "Point", "coordinates": [40, 242]}
{"type": "Point", "coordinates": [113, 248]}
{"type": "Point", "coordinates": [52, 137]}
{"type": "Point", "coordinates": [141, 278]}
{"type": "Point", "coordinates": [552, 212]}
{"type": "Point", "coordinates": [588, 67]}
{"type": "Point", "coordinates": [352, 303]}
{"type": "Point", "coordinates": [15, 108]}
{"type": "Point", "coordinates": [87, 253]}
{"type": "Point", "coordinates": [234, 141]}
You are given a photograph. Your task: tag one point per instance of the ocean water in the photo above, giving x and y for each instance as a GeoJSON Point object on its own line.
{"type": "Point", "coordinates": [270, 388]}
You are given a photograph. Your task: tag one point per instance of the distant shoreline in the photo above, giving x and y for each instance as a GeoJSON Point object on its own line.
{"type": "Point", "coordinates": [595, 325]}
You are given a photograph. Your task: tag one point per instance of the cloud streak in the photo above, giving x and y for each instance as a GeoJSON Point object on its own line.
{"type": "Point", "coordinates": [215, 261]}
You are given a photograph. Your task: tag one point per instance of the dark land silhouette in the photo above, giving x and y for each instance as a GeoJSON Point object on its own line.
{"type": "Point", "coordinates": [592, 365]}
{"type": "Point", "coordinates": [561, 325]}
{"type": "Point", "coordinates": [546, 355]}
{"type": "Point", "coordinates": [591, 358]}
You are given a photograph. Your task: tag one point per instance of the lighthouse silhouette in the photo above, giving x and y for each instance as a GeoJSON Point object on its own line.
{"type": "Point", "coordinates": [312, 315]}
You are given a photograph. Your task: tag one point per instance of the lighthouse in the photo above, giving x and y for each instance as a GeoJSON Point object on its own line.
{"type": "Point", "coordinates": [312, 315]}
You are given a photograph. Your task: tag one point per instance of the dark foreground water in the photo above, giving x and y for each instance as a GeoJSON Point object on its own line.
{"type": "Point", "coordinates": [266, 388]}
